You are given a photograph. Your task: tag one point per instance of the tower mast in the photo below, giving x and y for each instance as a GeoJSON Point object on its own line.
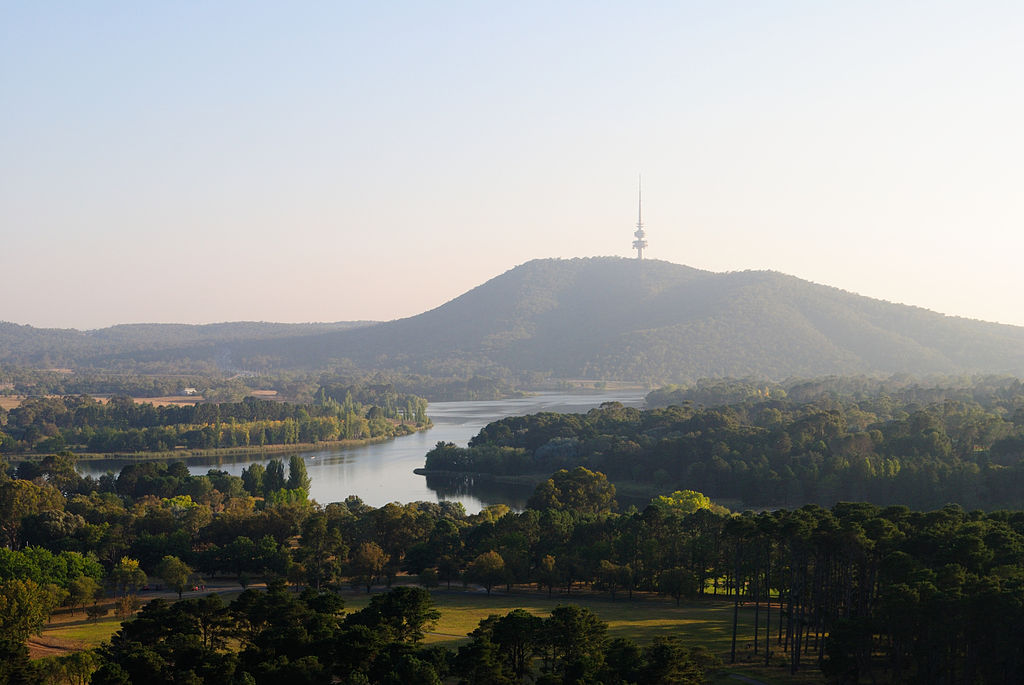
{"type": "Point", "coordinates": [639, 244]}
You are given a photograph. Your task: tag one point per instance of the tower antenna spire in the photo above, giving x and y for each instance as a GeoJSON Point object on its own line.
{"type": "Point", "coordinates": [639, 244]}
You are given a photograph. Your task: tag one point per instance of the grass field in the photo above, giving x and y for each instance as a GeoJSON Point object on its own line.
{"type": "Point", "coordinates": [10, 401]}
{"type": "Point", "coordinates": [83, 632]}
{"type": "Point", "coordinates": [706, 622]}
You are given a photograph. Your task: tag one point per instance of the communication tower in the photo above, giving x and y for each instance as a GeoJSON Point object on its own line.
{"type": "Point", "coordinates": [639, 244]}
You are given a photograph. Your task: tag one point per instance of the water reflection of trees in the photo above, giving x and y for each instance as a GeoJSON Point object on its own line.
{"type": "Point", "coordinates": [486, 490]}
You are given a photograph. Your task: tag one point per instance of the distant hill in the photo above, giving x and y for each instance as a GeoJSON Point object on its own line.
{"type": "Point", "coordinates": [617, 318]}
{"type": "Point", "coordinates": [56, 347]}
{"type": "Point", "coordinates": [624, 319]}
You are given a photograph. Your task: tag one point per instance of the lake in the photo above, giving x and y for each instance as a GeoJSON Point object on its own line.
{"type": "Point", "coordinates": [383, 472]}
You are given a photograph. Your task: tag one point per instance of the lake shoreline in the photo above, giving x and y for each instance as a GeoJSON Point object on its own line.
{"type": "Point", "coordinates": [239, 450]}
{"type": "Point", "coordinates": [629, 492]}
{"type": "Point", "coordinates": [382, 471]}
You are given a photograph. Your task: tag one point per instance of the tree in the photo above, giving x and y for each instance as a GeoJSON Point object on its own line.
{"type": "Point", "coordinates": [25, 606]}
{"type": "Point", "coordinates": [126, 576]}
{"type": "Point", "coordinates": [677, 583]}
{"type": "Point", "coordinates": [367, 563]}
{"type": "Point", "coordinates": [576, 638]}
{"type": "Point", "coordinates": [624, 662]}
{"type": "Point", "coordinates": [580, 490]}
{"type": "Point", "coordinates": [448, 569]}
{"type": "Point", "coordinates": [165, 642]}
{"type": "Point", "coordinates": [428, 577]}
{"type": "Point", "coordinates": [81, 590]}
{"type": "Point", "coordinates": [175, 572]}
{"type": "Point", "coordinates": [671, 663]}
{"type": "Point", "coordinates": [240, 557]}
{"type": "Point", "coordinates": [252, 479]}
{"type": "Point", "coordinates": [683, 501]}
{"type": "Point", "coordinates": [547, 573]}
{"type": "Point", "coordinates": [297, 476]}
{"type": "Point", "coordinates": [488, 569]}
{"type": "Point", "coordinates": [518, 635]}
{"type": "Point", "coordinates": [320, 549]}
{"type": "Point", "coordinates": [404, 614]}
{"type": "Point", "coordinates": [75, 668]}
{"type": "Point", "coordinates": [612, 576]}
{"type": "Point", "coordinates": [21, 498]}
{"type": "Point", "coordinates": [273, 479]}
{"type": "Point", "coordinates": [59, 470]}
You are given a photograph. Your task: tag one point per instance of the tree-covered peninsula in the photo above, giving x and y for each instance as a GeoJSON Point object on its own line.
{"type": "Point", "coordinates": [821, 443]}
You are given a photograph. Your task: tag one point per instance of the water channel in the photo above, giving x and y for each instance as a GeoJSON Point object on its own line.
{"type": "Point", "coordinates": [383, 472]}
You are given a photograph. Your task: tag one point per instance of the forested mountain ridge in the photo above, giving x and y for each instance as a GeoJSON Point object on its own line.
{"type": "Point", "coordinates": [622, 319]}
{"type": "Point", "coordinates": [611, 318]}
{"type": "Point", "coordinates": [31, 346]}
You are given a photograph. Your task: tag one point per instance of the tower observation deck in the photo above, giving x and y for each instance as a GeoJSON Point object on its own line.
{"type": "Point", "coordinates": [639, 244]}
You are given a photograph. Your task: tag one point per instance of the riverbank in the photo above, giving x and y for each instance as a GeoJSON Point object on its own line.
{"type": "Point", "coordinates": [237, 451]}
{"type": "Point", "coordinates": [627, 493]}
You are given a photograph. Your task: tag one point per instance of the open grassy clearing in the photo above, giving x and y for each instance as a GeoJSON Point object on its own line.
{"type": "Point", "coordinates": [642, 618]}
{"type": "Point", "coordinates": [82, 632]}
{"type": "Point", "coordinates": [706, 622]}
{"type": "Point", "coordinates": [10, 401]}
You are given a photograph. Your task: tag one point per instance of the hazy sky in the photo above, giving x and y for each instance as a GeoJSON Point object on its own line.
{"type": "Point", "coordinates": [216, 161]}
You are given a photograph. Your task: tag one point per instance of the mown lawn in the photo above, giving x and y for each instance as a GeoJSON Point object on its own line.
{"type": "Point", "coordinates": [706, 622]}
{"type": "Point", "coordinates": [88, 633]}
{"type": "Point", "coordinates": [642, 619]}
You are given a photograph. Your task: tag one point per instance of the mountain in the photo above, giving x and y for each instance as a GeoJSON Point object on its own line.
{"type": "Point", "coordinates": [617, 318]}
{"type": "Point", "coordinates": [626, 319]}
{"type": "Point", "coordinates": [30, 346]}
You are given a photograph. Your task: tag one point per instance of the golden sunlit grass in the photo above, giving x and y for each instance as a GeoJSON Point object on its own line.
{"type": "Point", "coordinates": [9, 402]}
{"type": "Point", "coordinates": [84, 632]}
{"type": "Point", "coordinates": [706, 622]}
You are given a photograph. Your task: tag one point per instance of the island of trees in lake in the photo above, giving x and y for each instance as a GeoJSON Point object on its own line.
{"type": "Point", "coordinates": [820, 441]}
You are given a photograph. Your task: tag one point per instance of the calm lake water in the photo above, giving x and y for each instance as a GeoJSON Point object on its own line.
{"type": "Point", "coordinates": [383, 472]}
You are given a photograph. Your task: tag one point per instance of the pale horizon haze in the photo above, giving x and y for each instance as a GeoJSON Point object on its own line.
{"type": "Point", "coordinates": [336, 161]}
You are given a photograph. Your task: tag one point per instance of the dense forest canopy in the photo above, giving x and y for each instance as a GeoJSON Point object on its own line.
{"type": "Point", "coordinates": [292, 386]}
{"type": "Point", "coordinates": [820, 441]}
{"type": "Point", "coordinates": [122, 425]}
{"type": "Point", "coordinates": [861, 592]}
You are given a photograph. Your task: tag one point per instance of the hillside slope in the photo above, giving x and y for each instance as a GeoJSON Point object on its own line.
{"type": "Point", "coordinates": [618, 318]}
{"type": "Point", "coordinates": [624, 319]}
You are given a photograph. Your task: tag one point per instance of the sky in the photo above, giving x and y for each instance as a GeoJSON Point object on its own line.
{"type": "Point", "coordinates": [199, 162]}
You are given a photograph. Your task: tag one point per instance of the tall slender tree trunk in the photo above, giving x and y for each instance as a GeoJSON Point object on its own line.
{"type": "Point", "coordinates": [756, 587]}
{"type": "Point", "coordinates": [768, 609]}
{"type": "Point", "coordinates": [735, 605]}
